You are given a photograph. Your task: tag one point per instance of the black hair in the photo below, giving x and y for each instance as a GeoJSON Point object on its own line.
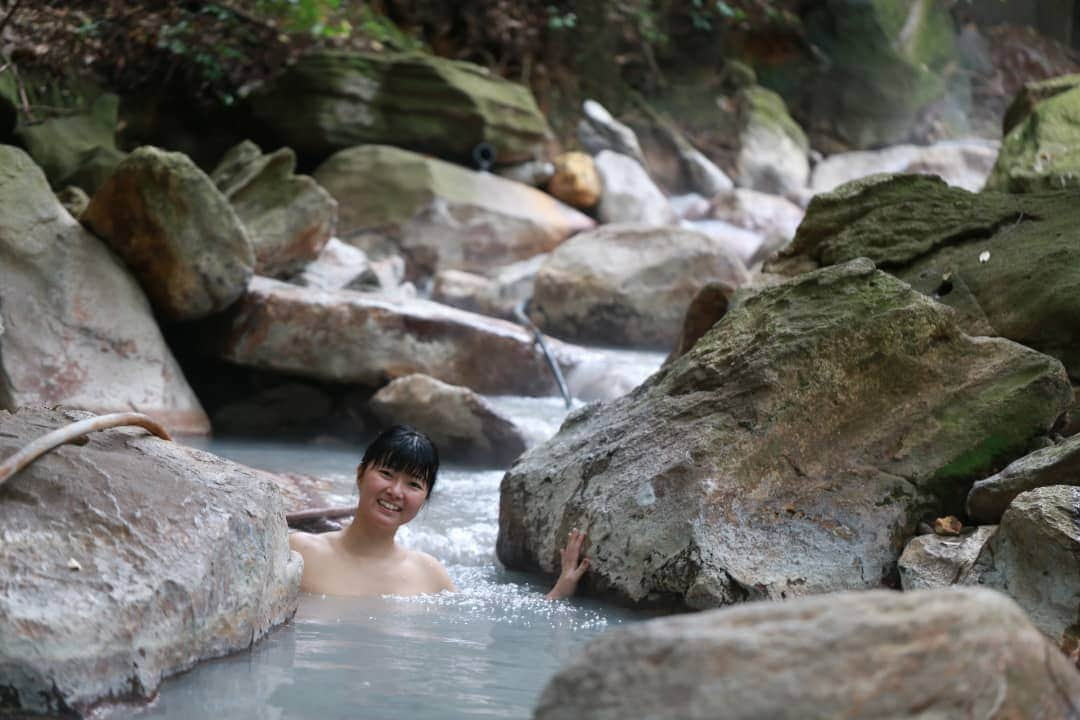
{"type": "Point", "coordinates": [404, 449]}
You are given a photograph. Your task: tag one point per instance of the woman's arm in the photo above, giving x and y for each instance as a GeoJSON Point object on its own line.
{"type": "Point", "coordinates": [573, 567]}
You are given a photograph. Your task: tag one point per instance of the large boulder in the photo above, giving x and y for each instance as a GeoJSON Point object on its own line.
{"type": "Point", "coordinates": [176, 232]}
{"type": "Point", "coordinates": [365, 339]}
{"type": "Point", "coordinates": [441, 215]}
{"type": "Point", "coordinates": [791, 451]}
{"type": "Point", "coordinates": [78, 329]}
{"type": "Point", "coordinates": [289, 217]}
{"type": "Point", "coordinates": [628, 284]}
{"type": "Point", "coordinates": [1009, 264]}
{"type": "Point", "coordinates": [1035, 557]}
{"type": "Point", "coordinates": [963, 163]}
{"type": "Point", "coordinates": [773, 154]}
{"type": "Point", "coordinates": [628, 193]}
{"type": "Point", "coordinates": [332, 100]}
{"type": "Point", "coordinates": [465, 427]}
{"type": "Point", "coordinates": [938, 561]}
{"type": "Point", "coordinates": [933, 654]}
{"type": "Point", "coordinates": [129, 559]}
{"type": "Point", "coordinates": [1041, 153]}
{"type": "Point", "coordinates": [1054, 465]}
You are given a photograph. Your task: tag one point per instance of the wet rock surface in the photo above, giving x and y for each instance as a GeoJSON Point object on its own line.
{"type": "Point", "coordinates": [78, 330]}
{"type": "Point", "coordinates": [941, 653]}
{"type": "Point", "coordinates": [722, 478]}
{"type": "Point", "coordinates": [129, 559]}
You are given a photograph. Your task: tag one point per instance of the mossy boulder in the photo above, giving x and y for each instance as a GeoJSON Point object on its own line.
{"type": "Point", "coordinates": [1033, 93]}
{"type": "Point", "coordinates": [773, 149]}
{"type": "Point", "coordinates": [1042, 152]}
{"type": "Point", "coordinates": [332, 100]}
{"type": "Point", "coordinates": [1009, 264]}
{"type": "Point", "coordinates": [793, 450]}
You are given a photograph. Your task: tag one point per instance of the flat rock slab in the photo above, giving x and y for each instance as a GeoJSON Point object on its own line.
{"type": "Point", "coordinates": [363, 338]}
{"type": "Point", "coordinates": [1054, 465]}
{"type": "Point", "coordinates": [129, 559]}
{"type": "Point", "coordinates": [863, 656]}
{"type": "Point", "coordinates": [78, 330]}
{"type": "Point", "coordinates": [793, 450]}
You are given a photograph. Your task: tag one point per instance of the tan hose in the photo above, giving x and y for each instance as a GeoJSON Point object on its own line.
{"type": "Point", "coordinates": [72, 432]}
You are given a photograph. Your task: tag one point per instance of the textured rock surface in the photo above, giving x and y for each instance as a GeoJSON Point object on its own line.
{"type": "Point", "coordinates": [181, 556]}
{"type": "Point", "coordinates": [176, 232]}
{"type": "Point", "coordinates": [288, 217]}
{"type": "Point", "coordinates": [629, 194]}
{"type": "Point", "coordinates": [963, 163]}
{"type": "Point", "coordinates": [936, 561]}
{"type": "Point", "coordinates": [329, 101]}
{"type": "Point", "coordinates": [1054, 465]}
{"type": "Point", "coordinates": [441, 215]}
{"type": "Point", "coordinates": [575, 181]}
{"type": "Point", "coordinates": [792, 451]}
{"type": "Point", "coordinates": [933, 654]}
{"type": "Point", "coordinates": [1031, 94]}
{"type": "Point", "coordinates": [339, 266]}
{"type": "Point", "coordinates": [362, 338]}
{"type": "Point", "coordinates": [78, 329]}
{"type": "Point", "coordinates": [496, 294]}
{"type": "Point", "coordinates": [1010, 264]}
{"type": "Point", "coordinates": [599, 131]}
{"type": "Point", "coordinates": [464, 426]}
{"type": "Point", "coordinates": [628, 284]}
{"type": "Point", "coordinates": [1035, 557]}
{"type": "Point", "coordinates": [774, 218]}
{"type": "Point", "coordinates": [1041, 153]}
{"type": "Point", "coordinates": [773, 149]}
{"type": "Point", "coordinates": [749, 246]}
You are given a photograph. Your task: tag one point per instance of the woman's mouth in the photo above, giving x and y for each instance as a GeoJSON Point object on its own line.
{"type": "Point", "coordinates": [388, 505]}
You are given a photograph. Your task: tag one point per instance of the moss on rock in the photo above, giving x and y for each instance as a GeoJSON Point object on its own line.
{"type": "Point", "coordinates": [1043, 151]}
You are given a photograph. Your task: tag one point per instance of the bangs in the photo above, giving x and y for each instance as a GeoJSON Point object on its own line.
{"type": "Point", "coordinates": [406, 450]}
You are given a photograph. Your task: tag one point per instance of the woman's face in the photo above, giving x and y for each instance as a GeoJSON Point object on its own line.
{"type": "Point", "coordinates": [389, 497]}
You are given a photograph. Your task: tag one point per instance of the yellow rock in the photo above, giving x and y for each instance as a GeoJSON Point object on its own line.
{"type": "Point", "coordinates": [576, 181]}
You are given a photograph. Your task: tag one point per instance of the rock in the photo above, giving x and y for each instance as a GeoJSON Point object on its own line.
{"type": "Point", "coordinates": [722, 478]}
{"type": "Point", "coordinates": [1035, 557]}
{"type": "Point", "coordinates": [773, 149]}
{"type": "Point", "coordinates": [176, 232]}
{"type": "Point", "coordinates": [331, 100]}
{"type": "Point", "coordinates": [599, 131]}
{"type": "Point", "coordinates": [1040, 153]}
{"type": "Point", "coordinates": [496, 295]}
{"type": "Point", "coordinates": [339, 266]}
{"type": "Point", "coordinates": [74, 199]}
{"type": "Point", "coordinates": [936, 561]}
{"type": "Point", "coordinates": [949, 525]}
{"type": "Point", "coordinates": [750, 247]}
{"type": "Point", "coordinates": [1054, 465]}
{"type": "Point", "coordinates": [575, 181]}
{"type": "Point", "coordinates": [289, 218]}
{"type": "Point", "coordinates": [1031, 94]}
{"type": "Point", "coordinates": [360, 338]}
{"type": "Point", "coordinates": [931, 654]}
{"type": "Point", "coordinates": [440, 215]}
{"type": "Point", "coordinates": [933, 236]}
{"type": "Point", "coordinates": [289, 409]}
{"type": "Point", "coordinates": [770, 216]}
{"type": "Point", "coordinates": [705, 177]}
{"type": "Point", "coordinates": [536, 173]}
{"type": "Point", "coordinates": [695, 172]}
{"type": "Point", "coordinates": [962, 163]}
{"type": "Point", "coordinates": [79, 331]}
{"type": "Point", "coordinates": [690, 207]}
{"type": "Point", "coordinates": [628, 285]}
{"type": "Point", "coordinates": [464, 426]}
{"type": "Point", "coordinates": [709, 305]}
{"type": "Point", "coordinates": [182, 558]}
{"type": "Point", "coordinates": [77, 149]}
{"type": "Point", "coordinates": [629, 194]}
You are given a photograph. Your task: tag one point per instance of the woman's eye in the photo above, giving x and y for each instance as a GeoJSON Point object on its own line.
{"type": "Point", "coordinates": [417, 485]}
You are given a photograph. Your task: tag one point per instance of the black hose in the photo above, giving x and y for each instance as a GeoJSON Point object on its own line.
{"type": "Point", "coordinates": [538, 338]}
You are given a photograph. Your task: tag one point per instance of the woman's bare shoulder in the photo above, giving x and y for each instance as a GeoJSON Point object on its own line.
{"type": "Point", "coordinates": [314, 543]}
{"type": "Point", "coordinates": [432, 570]}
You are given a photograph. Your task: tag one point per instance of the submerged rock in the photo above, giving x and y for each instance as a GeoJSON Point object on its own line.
{"type": "Point", "coordinates": [1054, 465]}
{"type": "Point", "coordinates": [176, 232]}
{"type": "Point", "coordinates": [1040, 153]}
{"type": "Point", "coordinates": [792, 451]}
{"type": "Point", "coordinates": [289, 218]}
{"type": "Point", "coordinates": [628, 285]}
{"type": "Point", "coordinates": [861, 656]}
{"type": "Point", "coordinates": [78, 329]}
{"type": "Point", "coordinates": [464, 426]}
{"type": "Point", "coordinates": [332, 100]}
{"type": "Point", "coordinates": [441, 215]}
{"type": "Point", "coordinates": [129, 559]}
{"type": "Point", "coordinates": [936, 561]}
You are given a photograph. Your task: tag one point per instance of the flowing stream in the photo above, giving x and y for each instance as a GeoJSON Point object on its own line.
{"type": "Point", "coordinates": [486, 651]}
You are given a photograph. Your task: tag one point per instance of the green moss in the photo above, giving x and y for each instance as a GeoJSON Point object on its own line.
{"type": "Point", "coordinates": [767, 108]}
{"type": "Point", "coordinates": [1043, 151]}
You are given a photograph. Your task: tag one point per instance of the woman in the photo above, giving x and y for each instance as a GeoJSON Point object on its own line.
{"type": "Point", "coordinates": [395, 477]}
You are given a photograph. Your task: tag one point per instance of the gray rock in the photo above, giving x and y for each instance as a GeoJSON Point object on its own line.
{"type": "Point", "coordinates": [178, 556]}
{"type": "Point", "coordinates": [704, 176]}
{"type": "Point", "coordinates": [289, 218]}
{"type": "Point", "coordinates": [1054, 465]}
{"type": "Point", "coordinates": [690, 206]}
{"type": "Point", "coordinates": [74, 199]}
{"type": "Point", "coordinates": [534, 172]}
{"type": "Point", "coordinates": [773, 154]}
{"type": "Point", "coordinates": [176, 231]}
{"type": "Point", "coordinates": [464, 426]}
{"type": "Point", "coordinates": [629, 194]}
{"type": "Point", "coordinates": [1035, 558]}
{"type": "Point", "coordinates": [339, 266]}
{"type": "Point", "coordinates": [937, 561]}
{"type": "Point", "coordinates": [791, 451]}
{"type": "Point", "coordinates": [441, 215]}
{"type": "Point", "coordinates": [599, 131]}
{"type": "Point", "coordinates": [962, 163]}
{"type": "Point", "coordinates": [932, 654]}
{"type": "Point", "coordinates": [80, 331]}
{"type": "Point", "coordinates": [772, 217]}
{"type": "Point", "coordinates": [747, 245]}
{"type": "Point", "coordinates": [628, 285]}
{"type": "Point", "coordinates": [496, 294]}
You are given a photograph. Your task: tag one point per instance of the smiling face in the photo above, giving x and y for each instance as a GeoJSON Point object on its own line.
{"type": "Point", "coordinates": [389, 498]}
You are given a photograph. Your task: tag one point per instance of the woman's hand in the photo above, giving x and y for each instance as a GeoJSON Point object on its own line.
{"type": "Point", "coordinates": [573, 567]}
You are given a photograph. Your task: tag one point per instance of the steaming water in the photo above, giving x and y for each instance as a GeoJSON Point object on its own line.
{"type": "Point", "coordinates": [486, 651]}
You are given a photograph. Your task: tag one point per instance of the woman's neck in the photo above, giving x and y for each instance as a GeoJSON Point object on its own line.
{"type": "Point", "coordinates": [358, 539]}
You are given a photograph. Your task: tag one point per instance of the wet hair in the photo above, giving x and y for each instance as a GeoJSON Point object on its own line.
{"type": "Point", "coordinates": [404, 449]}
